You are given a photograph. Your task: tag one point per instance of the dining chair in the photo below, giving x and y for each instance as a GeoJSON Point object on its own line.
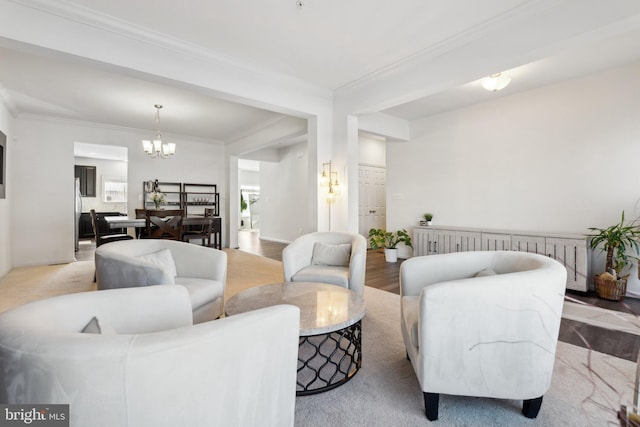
{"type": "Point", "coordinates": [103, 238]}
{"type": "Point", "coordinates": [200, 231]}
{"type": "Point", "coordinates": [96, 221]}
{"type": "Point", "coordinates": [164, 224]}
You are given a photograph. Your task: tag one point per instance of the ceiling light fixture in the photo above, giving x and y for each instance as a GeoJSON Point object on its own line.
{"type": "Point", "coordinates": [156, 148]}
{"type": "Point", "coordinates": [495, 82]}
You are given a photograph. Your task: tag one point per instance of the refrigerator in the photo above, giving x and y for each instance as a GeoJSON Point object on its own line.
{"type": "Point", "coordinates": [77, 200]}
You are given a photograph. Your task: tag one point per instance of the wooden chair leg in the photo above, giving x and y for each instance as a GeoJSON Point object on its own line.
{"type": "Point", "coordinates": [531, 407]}
{"type": "Point", "coordinates": [431, 405]}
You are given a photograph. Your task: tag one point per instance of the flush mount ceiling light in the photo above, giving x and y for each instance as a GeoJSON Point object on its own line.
{"type": "Point", "coordinates": [495, 82]}
{"type": "Point", "coordinates": [156, 148]}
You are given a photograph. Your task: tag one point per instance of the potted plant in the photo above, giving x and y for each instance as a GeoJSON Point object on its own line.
{"type": "Point", "coordinates": [616, 241]}
{"type": "Point", "coordinates": [379, 238]}
{"type": "Point", "coordinates": [427, 219]}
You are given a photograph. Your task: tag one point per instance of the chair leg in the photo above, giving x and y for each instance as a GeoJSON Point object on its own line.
{"type": "Point", "coordinates": [531, 407]}
{"type": "Point", "coordinates": [431, 405]}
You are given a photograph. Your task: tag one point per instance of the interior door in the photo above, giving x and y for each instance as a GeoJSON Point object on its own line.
{"type": "Point", "coordinates": [372, 211]}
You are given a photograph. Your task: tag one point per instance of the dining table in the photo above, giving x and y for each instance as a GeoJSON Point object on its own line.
{"type": "Point", "coordinates": [115, 222]}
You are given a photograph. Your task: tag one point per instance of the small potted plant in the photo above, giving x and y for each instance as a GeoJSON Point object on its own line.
{"type": "Point", "coordinates": [616, 241]}
{"type": "Point", "coordinates": [379, 238]}
{"type": "Point", "coordinates": [427, 219]}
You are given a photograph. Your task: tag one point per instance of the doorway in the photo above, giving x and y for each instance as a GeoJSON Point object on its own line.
{"type": "Point", "coordinates": [101, 183]}
{"type": "Point", "coordinates": [372, 194]}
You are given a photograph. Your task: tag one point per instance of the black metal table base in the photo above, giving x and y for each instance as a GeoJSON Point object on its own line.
{"type": "Point", "coordinates": [326, 361]}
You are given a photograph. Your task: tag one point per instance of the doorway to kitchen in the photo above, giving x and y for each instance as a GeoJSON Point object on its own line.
{"type": "Point", "coordinates": [101, 183]}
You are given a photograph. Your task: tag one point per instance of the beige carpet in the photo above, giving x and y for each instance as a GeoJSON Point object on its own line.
{"type": "Point", "coordinates": [587, 388]}
{"type": "Point", "coordinates": [26, 284]}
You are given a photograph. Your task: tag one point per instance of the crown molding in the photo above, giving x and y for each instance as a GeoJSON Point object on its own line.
{"type": "Point", "coordinates": [7, 102]}
{"type": "Point", "coordinates": [108, 23]}
{"type": "Point", "coordinates": [116, 128]}
{"type": "Point", "coordinates": [451, 43]}
{"type": "Point", "coordinates": [265, 124]}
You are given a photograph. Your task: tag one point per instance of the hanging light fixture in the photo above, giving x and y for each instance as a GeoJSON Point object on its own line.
{"type": "Point", "coordinates": [495, 82]}
{"type": "Point", "coordinates": [157, 148]}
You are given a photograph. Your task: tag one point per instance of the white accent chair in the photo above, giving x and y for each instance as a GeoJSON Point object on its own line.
{"type": "Point", "coordinates": [154, 368]}
{"type": "Point", "coordinates": [482, 324]}
{"type": "Point", "coordinates": [133, 263]}
{"type": "Point", "coordinates": [327, 257]}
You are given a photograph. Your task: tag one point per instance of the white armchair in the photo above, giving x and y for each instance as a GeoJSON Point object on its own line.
{"type": "Point", "coordinates": [482, 324]}
{"type": "Point", "coordinates": [147, 262]}
{"type": "Point", "coordinates": [154, 368]}
{"type": "Point", "coordinates": [327, 257]}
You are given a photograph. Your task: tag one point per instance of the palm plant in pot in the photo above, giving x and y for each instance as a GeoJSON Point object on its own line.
{"type": "Point", "coordinates": [379, 238]}
{"type": "Point", "coordinates": [616, 241]}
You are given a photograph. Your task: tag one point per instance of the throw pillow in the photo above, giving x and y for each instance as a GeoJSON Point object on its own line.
{"type": "Point", "coordinates": [485, 272]}
{"type": "Point", "coordinates": [331, 255]}
{"type": "Point", "coordinates": [95, 326]}
{"type": "Point", "coordinates": [162, 259]}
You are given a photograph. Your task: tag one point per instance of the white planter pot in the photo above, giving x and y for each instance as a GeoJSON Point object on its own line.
{"type": "Point", "coordinates": [391, 255]}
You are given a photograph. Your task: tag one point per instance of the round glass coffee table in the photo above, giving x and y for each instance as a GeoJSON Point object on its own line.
{"type": "Point", "coordinates": [330, 345]}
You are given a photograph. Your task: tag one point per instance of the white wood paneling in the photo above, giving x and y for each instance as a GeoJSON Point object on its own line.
{"type": "Point", "coordinates": [569, 250]}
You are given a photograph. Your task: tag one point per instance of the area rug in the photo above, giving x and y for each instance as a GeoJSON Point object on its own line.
{"type": "Point", "coordinates": [386, 392]}
{"type": "Point", "coordinates": [587, 388]}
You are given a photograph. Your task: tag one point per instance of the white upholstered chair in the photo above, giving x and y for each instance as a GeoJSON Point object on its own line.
{"type": "Point", "coordinates": [327, 257]}
{"type": "Point", "coordinates": [153, 368]}
{"type": "Point", "coordinates": [482, 324]}
{"type": "Point", "coordinates": [146, 262]}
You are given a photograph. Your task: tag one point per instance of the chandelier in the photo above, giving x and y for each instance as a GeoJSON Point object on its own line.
{"type": "Point", "coordinates": [157, 148]}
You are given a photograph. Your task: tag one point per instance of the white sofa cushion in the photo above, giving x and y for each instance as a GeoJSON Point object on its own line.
{"type": "Point", "coordinates": [324, 274]}
{"type": "Point", "coordinates": [162, 259]}
{"type": "Point", "coordinates": [201, 291]}
{"type": "Point", "coordinates": [331, 255]}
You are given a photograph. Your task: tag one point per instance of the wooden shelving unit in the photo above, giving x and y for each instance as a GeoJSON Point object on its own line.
{"type": "Point", "coordinates": [193, 199]}
{"type": "Point", "coordinates": [198, 197]}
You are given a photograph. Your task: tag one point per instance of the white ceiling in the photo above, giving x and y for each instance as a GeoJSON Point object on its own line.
{"type": "Point", "coordinates": [331, 44]}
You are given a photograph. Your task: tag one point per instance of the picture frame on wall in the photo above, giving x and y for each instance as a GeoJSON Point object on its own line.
{"type": "Point", "coordinates": [3, 165]}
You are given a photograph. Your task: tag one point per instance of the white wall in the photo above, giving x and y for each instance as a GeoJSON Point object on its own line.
{"type": "Point", "coordinates": [247, 177]}
{"type": "Point", "coordinates": [6, 126]}
{"type": "Point", "coordinates": [283, 194]}
{"type": "Point", "coordinates": [560, 158]}
{"type": "Point", "coordinates": [372, 151]}
{"type": "Point", "coordinates": [43, 177]}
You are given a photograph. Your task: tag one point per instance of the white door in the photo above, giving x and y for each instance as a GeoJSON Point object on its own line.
{"type": "Point", "coordinates": [372, 210]}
